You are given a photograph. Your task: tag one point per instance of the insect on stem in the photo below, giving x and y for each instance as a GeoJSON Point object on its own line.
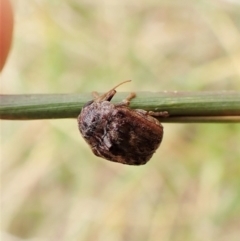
{"type": "Point", "coordinates": [118, 133]}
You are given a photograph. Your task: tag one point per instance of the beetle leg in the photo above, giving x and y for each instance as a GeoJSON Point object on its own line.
{"type": "Point", "coordinates": [127, 100]}
{"type": "Point", "coordinates": [152, 113]}
{"type": "Point", "coordinates": [131, 96]}
{"type": "Point", "coordinates": [143, 112]}
{"type": "Point", "coordinates": [158, 113]}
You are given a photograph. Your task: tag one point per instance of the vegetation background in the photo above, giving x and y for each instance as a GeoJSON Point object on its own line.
{"type": "Point", "coordinates": [54, 188]}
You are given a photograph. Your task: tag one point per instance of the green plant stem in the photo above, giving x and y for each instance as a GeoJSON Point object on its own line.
{"type": "Point", "coordinates": [208, 106]}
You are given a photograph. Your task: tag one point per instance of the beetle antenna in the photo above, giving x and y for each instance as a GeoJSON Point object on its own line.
{"type": "Point", "coordinates": [108, 96]}
{"type": "Point", "coordinates": [121, 84]}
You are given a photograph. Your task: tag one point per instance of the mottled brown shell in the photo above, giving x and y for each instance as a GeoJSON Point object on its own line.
{"type": "Point", "coordinates": [118, 133]}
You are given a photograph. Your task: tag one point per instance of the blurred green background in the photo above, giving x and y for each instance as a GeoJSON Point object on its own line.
{"type": "Point", "coordinates": [54, 188]}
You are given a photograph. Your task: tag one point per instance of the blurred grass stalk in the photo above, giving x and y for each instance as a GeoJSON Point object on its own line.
{"type": "Point", "coordinates": [183, 107]}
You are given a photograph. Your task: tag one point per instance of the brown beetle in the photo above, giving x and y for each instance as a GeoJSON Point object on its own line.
{"type": "Point", "coordinates": [118, 133]}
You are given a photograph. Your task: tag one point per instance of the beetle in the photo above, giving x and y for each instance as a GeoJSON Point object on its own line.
{"type": "Point", "coordinates": [118, 133]}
